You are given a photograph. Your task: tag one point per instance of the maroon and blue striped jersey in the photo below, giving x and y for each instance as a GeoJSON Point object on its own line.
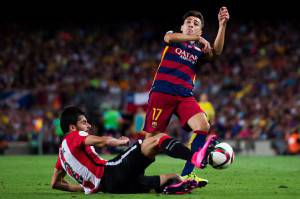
{"type": "Point", "coordinates": [177, 70]}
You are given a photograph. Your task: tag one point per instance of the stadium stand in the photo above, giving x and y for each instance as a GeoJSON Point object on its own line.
{"type": "Point", "coordinates": [254, 84]}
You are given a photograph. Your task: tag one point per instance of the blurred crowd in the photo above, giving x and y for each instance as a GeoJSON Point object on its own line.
{"type": "Point", "coordinates": [253, 86]}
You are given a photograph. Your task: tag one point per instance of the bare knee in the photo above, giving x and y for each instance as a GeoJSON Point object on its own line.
{"type": "Point", "coordinates": [157, 138]}
{"type": "Point", "coordinates": [201, 126]}
{"type": "Point", "coordinates": [149, 146]}
{"type": "Point", "coordinates": [199, 122]}
{"type": "Point", "coordinates": [154, 137]}
{"type": "Point", "coordinates": [205, 126]}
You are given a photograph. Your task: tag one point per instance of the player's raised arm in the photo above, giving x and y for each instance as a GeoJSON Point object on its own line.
{"type": "Point", "coordinates": [105, 141]}
{"type": "Point", "coordinates": [223, 17]}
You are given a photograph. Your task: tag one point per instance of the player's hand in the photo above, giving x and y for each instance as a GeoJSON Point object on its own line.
{"type": "Point", "coordinates": [118, 141]}
{"type": "Point", "coordinates": [223, 16]}
{"type": "Point", "coordinates": [206, 45]}
{"type": "Point", "coordinates": [124, 140]}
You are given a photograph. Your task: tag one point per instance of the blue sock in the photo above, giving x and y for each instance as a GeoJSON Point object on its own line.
{"type": "Point", "coordinates": [198, 142]}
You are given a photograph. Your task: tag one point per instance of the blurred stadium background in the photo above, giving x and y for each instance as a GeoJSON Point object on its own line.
{"type": "Point", "coordinates": [103, 59]}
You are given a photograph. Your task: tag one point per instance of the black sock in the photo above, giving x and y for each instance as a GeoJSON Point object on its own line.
{"type": "Point", "coordinates": [175, 149]}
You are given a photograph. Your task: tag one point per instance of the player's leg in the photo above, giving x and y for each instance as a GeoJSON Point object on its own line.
{"type": "Point", "coordinates": [121, 172]}
{"type": "Point", "coordinates": [165, 183]}
{"type": "Point", "coordinates": [192, 117]}
{"type": "Point", "coordinates": [139, 156]}
{"type": "Point", "coordinates": [169, 183]}
{"type": "Point", "coordinates": [142, 154]}
{"type": "Point", "coordinates": [132, 163]}
{"type": "Point", "coordinates": [170, 146]}
{"type": "Point", "coordinates": [164, 143]}
{"type": "Point", "coordinates": [200, 126]}
{"type": "Point", "coordinates": [158, 183]}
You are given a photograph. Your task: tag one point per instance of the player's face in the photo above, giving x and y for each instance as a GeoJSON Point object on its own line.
{"type": "Point", "coordinates": [82, 124]}
{"type": "Point", "coordinates": [192, 26]}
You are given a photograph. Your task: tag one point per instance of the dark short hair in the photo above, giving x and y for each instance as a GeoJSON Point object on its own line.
{"type": "Point", "coordinates": [194, 13]}
{"type": "Point", "coordinates": [70, 115]}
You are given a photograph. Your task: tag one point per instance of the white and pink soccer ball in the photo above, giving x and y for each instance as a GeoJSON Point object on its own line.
{"type": "Point", "coordinates": [222, 156]}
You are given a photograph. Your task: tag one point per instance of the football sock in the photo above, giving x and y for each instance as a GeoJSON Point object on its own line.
{"type": "Point", "coordinates": [174, 148]}
{"type": "Point", "coordinates": [197, 143]}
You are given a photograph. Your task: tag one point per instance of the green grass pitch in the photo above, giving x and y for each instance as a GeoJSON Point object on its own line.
{"type": "Point", "coordinates": [248, 177]}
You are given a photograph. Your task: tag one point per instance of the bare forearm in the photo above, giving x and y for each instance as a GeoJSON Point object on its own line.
{"type": "Point", "coordinates": [223, 17]}
{"type": "Point", "coordinates": [109, 141]}
{"type": "Point", "coordinates": [219, 41]}
{"type": "Point", "coordinates": [179, 37]}
{"type": "Point", "coordinates": [104, 141]}
{"type": "Point", "coordinates": [65, 186]}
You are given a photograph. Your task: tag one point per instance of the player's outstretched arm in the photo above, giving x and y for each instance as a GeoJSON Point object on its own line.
{"type": "Point", "coordinates": [223, 17]}
{"type": "Point", "coordinates": [58, 182]}
{"type": "Point", "coordinates": [105, 141]}
{"type": "Point", "coordinates": [180, 37]}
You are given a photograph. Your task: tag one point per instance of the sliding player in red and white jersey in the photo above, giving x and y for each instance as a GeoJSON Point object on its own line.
{"type": "Point", "coordinates": [122, 174]}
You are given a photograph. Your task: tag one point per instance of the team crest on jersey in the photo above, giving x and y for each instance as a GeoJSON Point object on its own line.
{"type": "Point", "coordinates": [186, 55]}
{"type": "Point", "coordinates": [196, 48]}
{"type": "Point", "coordinates": [154, 124]}
{"type": "Point", "coordinates": [83, 133]}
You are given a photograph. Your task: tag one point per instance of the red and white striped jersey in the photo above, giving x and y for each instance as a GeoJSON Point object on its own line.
{"type": "Point", "coordinates": [81, 162]}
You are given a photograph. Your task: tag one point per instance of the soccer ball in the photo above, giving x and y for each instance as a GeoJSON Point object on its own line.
{"type": "Point", "coordinates": [222, 156]}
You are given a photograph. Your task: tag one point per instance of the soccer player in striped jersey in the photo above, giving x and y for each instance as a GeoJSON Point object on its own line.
{"type": "Point", "coordinates": [172, 89]}
{"type": "Point", "coordinates": [123, 174]}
